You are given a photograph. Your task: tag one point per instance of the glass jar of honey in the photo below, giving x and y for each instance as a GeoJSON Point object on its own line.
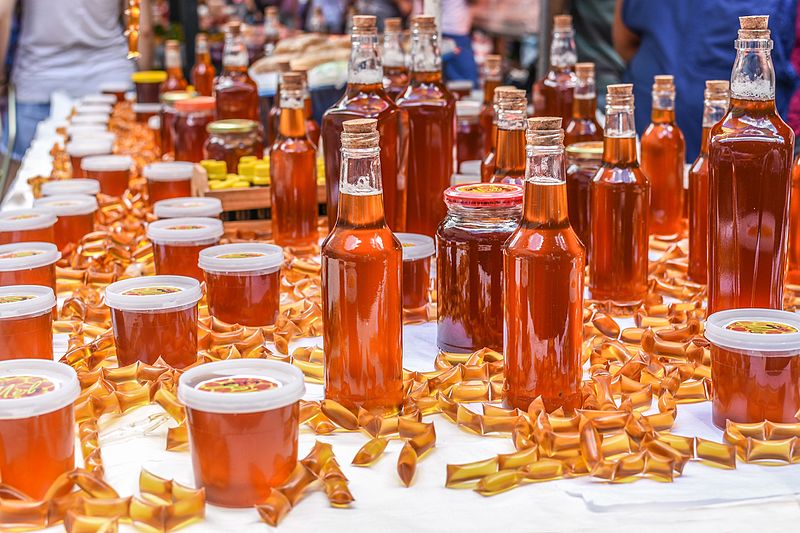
{"type": "Point", "coordinates": [26, 322]}
{"type": "Point", "coordinates": [583, 162]}
{"type": "Point", "coordinates": [469, 264]}
{"type": "Point", "coordinates": [79, 149]}
{"type": "Point", "coordinates": [75, 217]}
{"type": "Point", "coordinates": [169, 179]}
{"type": "Point", "coordinates": [113, 172]}
{"type": "Point", "coordinates": [188, 206]}
{"type": "Point", "coordinates": [190, 129]}
{"type": "Point", "coordinates": [27, 225]}
{"type": "Point", "coordinates": [230, 139]}
{"type": "Point", "coordinates": [71, 186]}
{"type": "Point", "coordinates": [169, 115]}
{"type": "Point", "coordinates": [29, 263]}
{"type": "Point", "coordinates": [417, 253]}
{"type": "Point", "coordinates": [148, 85]}
{"type": "Point", "coordinates": [177, 243]}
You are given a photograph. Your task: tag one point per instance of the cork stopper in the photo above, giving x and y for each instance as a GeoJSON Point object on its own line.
{"type": "Point", "coordinates": [503, 92]}
{"type": "Point", "coordinates": [620, 94]}
{"type": "Point", "coordinates": [284, 66]}
{"type": "Point", "coordinates": [664, 83]}
{"type": "Point", "coordinates": [360, 133]}
{"type": "Point", "coordinates": [514, 99]}
{"type": "Point", "coordinates": [584, 70]}
{"type": "Point", "coordinates": [562, 23]}
{"type": "Point", "coordinates": [718, 85]}
{"type": "Point", "coordinates": [291, 81]}
{"type": "Point", "coordinates": [271, 11]}
{"type": "Point", "coordinates": [393, 24]}
{"type": "Point", "coordinates": [423, 23]}
{"type": "Point", "coordinates": [364, 23]}
{"type": "Point", "coordinates": [303, 71]}
{"type": "Point", "coordinates": [234, 27]}
{"type": "Point", "coordinates": [754, 27]}
{"type": "Point", "coordinates": [544, 131]}
{"type": "Point", "coordinates": [172, 43]}
{"type": "Point", "coordinates": [492, 62]}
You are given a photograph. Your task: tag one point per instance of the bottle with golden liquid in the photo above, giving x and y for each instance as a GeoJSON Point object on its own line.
{"type": "Point", "coordinates": [543, 274]}
{"type": "Point", "coordinates": [234, 89]}
{"type": "Point", "coordinates": [793, 275]}
{"type": "Point", "coordinates": [552, 95]}
{"type": "Point", "coordinates": [583, 126]}
{"type": "Point", "coordinates": [619, 206]}
{"type": "Point", "coordinates": [172, 64]}
{"type": "Point", "coordinates": [203, 71]}
{"type": "Point", "coordinates": [365, 97]}
{"type": "Point", "coordinates": [274, 114]}
{"type": "Point", "coordinates": [271, 29]}
{"type": "Point", "coordinates": [362, 297]}
{"type": "Point", "coordinates": [750, 162]}
{"type": "Point", "coordinates": [431, 112]}
{"type": "Point", "coordinates": [312, 128]}
{"type": "Point", "coordinates": [490, 161]}
{"type": "Point", "coordinates": [293, 172]}
{"type": "Point", "coordinates": [395, 69]}
{"type": "Point", "coordinates": [663, 157]}
{"type": "Point", "coordinates": [492, 77]}
{"type": "Point", "coordinates": [511, 120]}
{"type": "Point", "coordinates": [717, 98]}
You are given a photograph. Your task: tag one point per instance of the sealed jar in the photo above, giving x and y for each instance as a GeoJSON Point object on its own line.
{"type": "Point", "coordinates": [86, 147]}
{"type": "Point", "coordinates": [148, 85]}
{"type": "Point", "coordinates": [144, 112]}
{"type": "Point", "coordinates": [71, 186]}
{"type": "Point", "coordinates": [168, 116]}
{"type": "Point", "coordinates": [583, 162]}
{"type": "Point", "coordinates": [29, 263]}
{"type": "Point", "coordinates": [155, 316]}
{"type": "Point", "coordinates": [230, 139]}
{"type": "Point", "coordinates": [177, 243]}
{"type": "Point", "coordinates": [115, 89]}
{"type": "Point", "coordinates": [190, 130]}
{"type": "Point", "coordinates": [469, 133]}
{"type": "Point", "coordinates": [169, 179]}
{"type": "Point", "coordinates": [27, 225]}
{"type": "Point", "coordinates": [755, 365]}
{"type": "Point", "coordinates": [26, 322]}
{"type": "Point", "coordinates": [37, 423]}
{"type": "Point", "coordinates": [243, 282]}
{"type": "Point", "coordinates": [243, 418]}
{"type": "Point", "coordinates": [79, 131]}
{"type": "Point", "coordinates": [188, 206]}
{"type": "Point", "coordinates": [469, 264]}
{"type": "Point", "coordinates": [75, 214]}
{"type": "Point", "coordinates": [417, 253]}
{"type": "Point", "coordinates": [113, 172]}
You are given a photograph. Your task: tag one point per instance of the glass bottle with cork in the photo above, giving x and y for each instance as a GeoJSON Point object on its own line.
{"type": "Point", "coordinates": [172, 64]}
{"type": "Point", "coordinates": [583, 126]}
{"type": "Point", "coordinates": [203, 72]}
{"type": "Point", "coordinates": [395, 70]}
{"type": "Point", "coordinates": [274, 114]}
{"type": "Point", "coordinates": [511, 116]}
{"type": "Point", "coordinates": [552, 95]}
{"type": "Point", "coordinates": [492, 77]}
{"type": "Point", "coordinates": [235, 90]}
{"type": "Point", "coordinates": [490, 160]}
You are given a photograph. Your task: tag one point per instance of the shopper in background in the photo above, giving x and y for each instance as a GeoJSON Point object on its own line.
{"type": "Point", "coordinates": [457, 25]}
{"type": "Point", "coordinates": [593, 20]}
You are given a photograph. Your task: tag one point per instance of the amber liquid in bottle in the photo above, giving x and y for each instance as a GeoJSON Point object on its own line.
{"type": "Point", "coordinates": [552, 95]}
{"type": "Point", "coordinates": [203, 72]}
{"type": "Point", "coordinates": [235, 90]}
{"type": "Point", "coordinates": [395, 71]}
{"type": "Point", "coordinates": [583, 126]}
{"type": "Point", "coordinates": [793, 276]}
{"type": "Point", "coordinates": [510, 161]}
{"type": "Point", "coordinates": [489, 161]}
{"type": "Point", "coordinates": [492, 73]}
{"type": "Point", "coordinates": [172, 63]}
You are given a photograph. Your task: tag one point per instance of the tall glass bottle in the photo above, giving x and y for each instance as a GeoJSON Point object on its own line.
{"type": "Point", "coordinates": [172, 64]}
{"type": "Point", "coordinates": [312, 128]}
{"type": "Point", "coordinates": [492, 77]}
{"type": "Point", "coordinates": [365, 97]}
{"type": "Point", "coordinates": [511, 117]}
{"type": "Point", "coordinates": [793, 275]}
{"type": "Point", "coordinates": [274, 114]}
{"type": "Point", "coordinates": [552, 95]}
{"type": "Point", "coordinates": [750, 161]}
{"type": "Point", "coordinates": [431, 117]}
{"type": "Point", "coordinates": [235, 90]}
{"type": "Point", "coordinates": [583, 126]}
{"type": "Point", "coordinates": [203, 71]}
{"type": "Point", "coordinates": [544, 266]}
{"type": "Point", "coordinates": [361, 285]}
{"type": "Point", "coordinates": [620, 201]}
{"type": "Point", "coordinates": [663, 158]}
{"type": "Point", "coordinates": [395, 69]}
{"type": "Point", "coordinates": [271, 29]}
{"type": "Point", "coordinates": [717, 97]}
{"type": "Point", "coordinates": [489, 162]}
{"type": "Point", "coordinates": [293, 172]}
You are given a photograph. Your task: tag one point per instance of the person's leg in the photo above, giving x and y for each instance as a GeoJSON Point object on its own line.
{"type": "Point", "coordinates": [28, 117]}
{"type": "Point", "coordinates": [461, 65]}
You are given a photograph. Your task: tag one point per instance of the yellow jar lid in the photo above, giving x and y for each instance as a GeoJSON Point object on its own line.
{"type": "Point", "coordinates": [149, 76]}
{"type": "Point", "coordinates": [232, 125]}
{"type": "Point", "coordinates": [170, 97]}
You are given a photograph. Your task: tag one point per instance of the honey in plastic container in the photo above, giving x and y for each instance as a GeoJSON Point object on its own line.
{"type": "Point", "coordinates": [148, 85]}
{"type": "Point", "coordinates": [29, 263]}
{"type": "Point", "coordinates": [101, 98]}
{"type": "Point", "coordinates": [417, 253]}
{"type": "Point", "coordinates": [26, 322]}
{"type": "Point", "coordinates": [188, 206]}
{"type": "Point", "coordinates": [243, 282]}
{"type": "Point", "coordinates": [37, 423]}
{"type": "Point", "coordinates": [243, 427]}
{"type": "Point", "coordinates": [91, 118]}
{"type": "Point", "coordinates": [177, 243]}
{"type": "Point", "coordinates": [112, 171]}
{"type": "Point", "coordinates": [755, 365]}
{"type": "Point", "coordinates": [70, 187]}
{"type": "Point", "coordinates": [75, 216]}
{"type": "Point", "coordinates": [93, 109]}
{"type": "Point", "coordinates": [79, 149]}
{"type": "Point", "coordinates": [115, 89]}
{"type": "Point", "coordinates": [171, 179]}
{"type": "Point", "coordinates": [27, 225]}
{"type": "Point", "coordinates": [155, 316]}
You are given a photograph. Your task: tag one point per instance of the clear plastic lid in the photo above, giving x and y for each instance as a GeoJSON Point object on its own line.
{"type": "Point", "coordinates": [186, 229]}
{"type": "Point", "coordinates": [153, 293]}
{"type": "Point", "coordinates": [33, 387]}
{"type": "Point", "coordinates": [106, 163]}
{"type": "Point", "coordinates": [91, 118]}
{"type": "Point", "coordinates": [26, 219]}
{"type": "Point", "coordinates": [146, 107]}
{"type": "Point", "coordinates": [169, 171]}
{"type": "Point", "coordinates": [26, 255]}
{"type": "Point", "coordinates": [25, 300]}
{"type": "Point", "coordinates": [89, 146]}
{"type": "Point", "coordinates": [71, 186]}
{"type": "Point", "coordinates": [243, 257]}
{"type": "Point", "coordinates": [92, 109]}
{"type": "Point", "coordinates": [416, 246]}
{"type": "Point", "coordinates": [241, 386]}
{"type": "Point", "coordinates": [769, 331]}
{"type": "Point", "coordinates": [108, 99]}
{"type": "Point", "coordinates": [188, 206]}
{"type": "Point", "coordinates": [115, 87]}
{"type": "Point", "coordinates": [74, 130]}
{"type": "Point", "coordinates": [68, 204]}
{"type": "Point", "coordinates": [91, 135]}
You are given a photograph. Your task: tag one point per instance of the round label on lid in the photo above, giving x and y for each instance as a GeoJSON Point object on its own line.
{"type": "Point", "coordinates": [20, 254]}
{"type": "Point", "coordinates": [416, 246]}
{"type": "Point", "coordinates": [761, 327]}
{"type": "Point", "coordinates": [184, 227]}
{"type": "Point", "coordinates": [68, 205]}
{"type": "Point", "coordinates": [26, 219]}
{"type": "Point", "coordinates": [188, 207]}
{"type": "Point", "coordinates": [240, 255]}
{"type": "Point", "coordinates": [485, 195]}
{"type": "Point", "coordinates": [25, 300]}
{"type": "Point", "coordinates": [26, 255]}
{"type": "Point", "coordinates": [22, 217]}
{"type": "Point", "coordinates": [16, 387]}
{"type": "Point", "coordinates": [151, 291]}
{"type": "Point", "coordinates": [237, 384]}
{"type": "Point", "coordinates": [33, 387]}
{"type": "Point", "coordinates": [12, 299]}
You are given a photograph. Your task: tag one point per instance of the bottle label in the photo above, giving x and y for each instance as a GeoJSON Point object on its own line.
{"type": "Point", "coordinates": [151, 291]}
{"type": "Point", "coordinates": [17, 387]}
{"type": "Point", "coordinates": [760, 327]}
{"type": "Point", "coordinates": [237, 384]}
{"type": "Point", "coordinates": [16, 298]}
{"type": "Point", "coordinates": [21, 253]}
{"type": "Point", "coordinates": [240, 255]}
{"type": "Point", "coordinates": [185, 227]}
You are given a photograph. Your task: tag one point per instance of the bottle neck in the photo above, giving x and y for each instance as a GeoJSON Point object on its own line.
{"type": "Point", "coordinates": [360, 189]}
{"type": "Point", "coordinates": [545, 203]}
{"type": "Point", "coordinates": [366, 67]}
{"type": "Point", "coordinates": [489, 85]}
{"type": "Point", "coordinates": [704, 139]}
{"type": "Point", "coordinates": [619, 144]}
{"type": "Point", "coordinates": [584, 103]}
{"type": "Point", "coordinates": [292, 118]}
{"type": "Point", "coordinates": [172, 60]}
{"type": "Point", "coordinates": [563, 53]}
{"type": "Point", "coordinates": [753, 75]}
{"type": "Point", "coordinates": [234, 53]}
{"type": "Point", "coordinates": [663, 107]}
{"type": "Point", "coordinates": [425, 55]}
{"type": "Point", "coordinates": [393, 54]}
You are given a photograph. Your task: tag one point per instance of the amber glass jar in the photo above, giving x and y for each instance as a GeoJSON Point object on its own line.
{"type": "Point", "coordinates": [583, 161]}
{"type": "Point", "coordinates": [168, 116]}
{"type": "Point", "coordinates": [230, 139]}
{"type": "Point", "coordinates": [191, 124]}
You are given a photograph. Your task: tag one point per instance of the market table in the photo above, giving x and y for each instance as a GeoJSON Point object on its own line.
{"type": "Point", "coordinates": [714, 499]}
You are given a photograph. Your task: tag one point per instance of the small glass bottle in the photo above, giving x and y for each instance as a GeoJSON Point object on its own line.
{"type": "Point", "coordinates": [552, 95]}
{"type": "Point", "coordinates": [583, 126]}
{"type": "Point", "coordinates": [583, 161]}
{"type": "Point", "coordinates": [395, 69]}
{"type": "Point", "coordinates": [318, 24]}
{"type": "Point", "coordinates": [312, 128]}
{"type": "Point", "coordinates": [235, 90]}
{"type": "Point", "coordinates": [274, 114]}
{"type": "Point", "coordinates": [492, 77]}
{"type": "Point", "coordinates": [469, 138]}
{"type": "Point", "coordinates": [490, 160]}
{"type": "Point", "coordinates": [511, 115]}
{"type": "Point", "coordinates": [272, 26]}
{"type": "Point", "coordinates": [172, 64]}
{"type": "Point", "coordinates": [203, 72]}
{"type": "Point", "coordinates": [793, 275]}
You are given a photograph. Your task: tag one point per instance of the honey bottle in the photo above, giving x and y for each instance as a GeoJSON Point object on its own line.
{"type": "Point", "coordinates": [490, 160]}
{"type": "Point", "coordinates": [203, 71]}
{"type": "Point", "coordinates": [271, 29]}
{"type": "Point", "coordinates": [552, 95]}
{"type": "Point", "coordinates": [274, 113]}
{"type": "Point", "coordinates": [511, 116]}
{"type": "Point", "coordinates": [395, 70]}
{"type": "Point", "coordinates": [172, 64]}
{"type": "Point", "coordinates": [235, 90]}
{"type": "Point", "coordinates": [583, 126]}
{"type": "Point", "coordinates": [492, 77]}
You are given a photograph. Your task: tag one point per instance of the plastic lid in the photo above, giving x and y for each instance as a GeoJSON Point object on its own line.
{"type": "Point", "coordinates": [149, 76]}
{"type": "Point", "coordinates": [471, 167]}
{"type": "Point", "coordinates": [108, 99]}
{"type": "Point", "coordinates": [459, 85]}
{"type": "Point", "coordinates": [77, 129]}
{"type": "Point", "coordinates": [115, 86]}
{"type": "Point", "coordinates": [241, 386]}
{"type": "Point", "coordinates": [185, 229]}
{"type": "Point", "coordinates": [586, 150]}
{"type": "Point", "coordinates": [152, 293]}
{"type": "Point", "coordinates": [68, 204]}
{"type": "Point", "coordinates": [91, 109]}
{"type": "Point", "coordinates": [199, 103]}
{"type": "Point", "coordinates": [33, 387]}
{"type": "Point", "coordinates": [188, 206]}
{"type": "Point", "coordinates": [170, 97]}
{"type": "Point", "coordinates": [90, 135]}
{"type": "Point", "coordinates": [232, 125]}
{"type": "Point", "coordinates": [26, 219]}
{"type": "Point", "coordinates": [71, 186]}
{"type": "Point", "coordinates": [415, 246]}
{"type": "Point", "coordinates": [93, 118]}
{"type": "Point", "coordinates": [484, 195]}
{"type": "Point", "coordinates": [107, 163]}
{"type": "Point", "coordinates": [468, 108]}
{"type": "Point", "coordinates": [169, 171]}
{"type": "Point", "coordinates": [146, 108]}
{"type": "Point", "coordinates": [755, 329]}
{"type": "Point", "coordinates": [243, 257]}
{"type": "Point", "coordinates": [89, 146]}
{"type": "Point", "coordinates": [25, 255]}
{"type": "Point", "coordinates": [24, 300]}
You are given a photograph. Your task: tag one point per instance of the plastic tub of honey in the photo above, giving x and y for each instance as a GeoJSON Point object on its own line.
{"type": "Point", "coordinates": [91, 118]}
{"type": "Point", "coordinates": [75, 216]}
{"type": "Point", "coordinates": [243, 427]}
{"type": "Point", "coordinates": [155, 316]}
{"type": "Point", "coordinates": [148, 85]}
{"type": "Point", "coordinates": [27, 225]}
{"type": "Point", "coordinates": [29, 263]}
{"type": "Point", "coordinates": [93, 109]}
{"type": "Point", "coordinates": [172, 179]}
{"type": "Point", "coordinates": [71, 186]}
{"type": "Point", "coordinates": [417, 253]}
{"type": "Point", "coordinates": [76, 131]}
{"type": "Point", "coordinates": [100, 135]}
{"type": "Point", "coordinates": [243, 282]}
{"type": "Point", "coordinates": [115, 89]}
{"type": "Point", "coordinates": [37, 423]}
{"type": "Point", "coordinates": [112, 171]}
{"type": "Point", "coordinates": [79, 149]}
{"type": "Point", "coordinates": [755, 365]}
{"type": "Point", "coordinates": [26, 322]}
{"type": "Point", "coordinates": [177, 243]}
{"type": "Point", "coordinates": [188, 206]}
{"type": "Point", "coordinates": [107, 99]}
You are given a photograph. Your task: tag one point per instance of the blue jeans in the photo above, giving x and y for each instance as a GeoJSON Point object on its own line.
{"type": "Point", "coordinates": [461, 65]}
{"type": "Point", "coordinates": [28, 117]}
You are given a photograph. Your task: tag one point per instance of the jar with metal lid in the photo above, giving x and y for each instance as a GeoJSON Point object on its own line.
{"type": "Point", "coordinates": [194, 116]}
{"type": "Point", "coordinates": [583, 161]}
{"type": "Point", "coordinates": [230, 139]}
{"type": "Point", "coordinates": [168, 116]}
{"type": "Point", "coordinates": [469, 264]}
